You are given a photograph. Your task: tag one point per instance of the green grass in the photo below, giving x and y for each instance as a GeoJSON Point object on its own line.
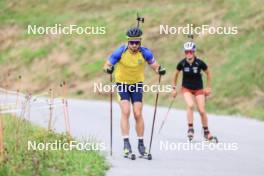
{"type": "Point", "coordinates": [235, 61]}
{"type": "Point", "coordinates": [92, 68]}
{"type": "Point", "coordinates": [28, 55]}
{"type": "Point", "coordinates": [19, 161]}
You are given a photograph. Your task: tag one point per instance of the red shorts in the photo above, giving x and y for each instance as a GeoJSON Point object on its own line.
{"type": "Point", "coordinates": [194, 92]}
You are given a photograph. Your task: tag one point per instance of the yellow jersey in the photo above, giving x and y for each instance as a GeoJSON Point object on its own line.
{"type": "Point", "coordinates": [130, 66]}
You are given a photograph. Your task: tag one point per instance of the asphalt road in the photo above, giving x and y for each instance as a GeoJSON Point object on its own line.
{"type": "Point", "coordinates": [91, 119]}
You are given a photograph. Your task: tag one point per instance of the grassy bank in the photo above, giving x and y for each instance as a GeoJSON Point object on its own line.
{"type": "Point", "coordinates": [235, 60]}
{"type": "Point", "coordinates": [19, 161]}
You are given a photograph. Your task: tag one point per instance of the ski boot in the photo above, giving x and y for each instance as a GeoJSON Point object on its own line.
{"type": "Point", "coordinates": [190, 134]}
{"type": "Point", "coordinates": [128, 151]}
{"type": "Point", "coordinates": [143, 152]}
{"type": "Point", "coordinates": [209, 137]}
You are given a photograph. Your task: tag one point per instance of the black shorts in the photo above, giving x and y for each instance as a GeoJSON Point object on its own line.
{"type": "Point", "coordinates": [130, 92]}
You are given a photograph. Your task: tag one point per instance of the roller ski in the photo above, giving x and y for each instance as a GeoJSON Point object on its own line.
{"type": "Point", "coordinates": [146, 155]}
{"type": "Point", "coordinates": [208, 137]}
{"type": "Point", "coordinates": [128, 151]}
{"type": "Point", "coordinates": [129, 155]}
{"type": "Point", "coordinates": [143, 152]}
{"type": "Point", "coordinates": [190, 134]}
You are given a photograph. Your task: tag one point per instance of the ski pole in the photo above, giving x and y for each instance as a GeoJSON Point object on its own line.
{"type": "Point", "coordinates": [154, 116]}
{"type": "Point", "coordinates": [166, 116]}
{"type": "Point", "coordinates": [111, 116]}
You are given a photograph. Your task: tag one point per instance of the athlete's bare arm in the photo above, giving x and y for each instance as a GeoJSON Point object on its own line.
{"type": "Point", "coordinates": [208, 82]}
{"type": "Point", "coordinates": [174, 83]}
{"type": "Point", "coordinates": [175, 78]}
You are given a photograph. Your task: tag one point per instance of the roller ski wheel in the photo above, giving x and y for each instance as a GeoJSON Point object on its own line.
{"type": "Point", "coordinates": [208, 137]}
{"type": "Point", "coordinates": [128, 151]}
{"type": "Point", "coordinates": [143, 152]}
{"type": "Point", "coordinates": [146, 155]}
{"type": "Point", "coordinates": [128, 154]}
{"type": "Point", "coordinates": [213, 139]}
{"type": "Point", "coordinates": [190, 134]}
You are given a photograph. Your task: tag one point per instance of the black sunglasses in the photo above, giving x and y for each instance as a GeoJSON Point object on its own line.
{"type": "Point", "coordinates": [134, 42]}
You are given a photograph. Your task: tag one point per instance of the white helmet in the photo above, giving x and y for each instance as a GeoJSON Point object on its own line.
{"type": "Point", "coordinates": [189, 46]}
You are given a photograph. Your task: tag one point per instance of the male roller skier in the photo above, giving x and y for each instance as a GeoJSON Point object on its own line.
{"type": "Point", "coordinates": [129, 61]}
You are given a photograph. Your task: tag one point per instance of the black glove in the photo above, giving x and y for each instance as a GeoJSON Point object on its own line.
{"type": "Point", "coordinates": [110, 70]}
{"type": "Point", "coordinates": [161, 71]}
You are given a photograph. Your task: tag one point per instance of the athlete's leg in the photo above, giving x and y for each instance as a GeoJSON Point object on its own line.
{"type": "Point", "coordinates": [137, 109]}
{"type": "Point", "coordinates": [200, 100]}
{"type": "Point", "coordinates": [125, 113]}
{"type": "Point", "coordinates": [124, 101]}
{"type": "Point", "coordinates": [188, 97]}
{"type": "Point", "coordinates": [124, 123]}
{"type": "Point", "coordinates": [136, 98]}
